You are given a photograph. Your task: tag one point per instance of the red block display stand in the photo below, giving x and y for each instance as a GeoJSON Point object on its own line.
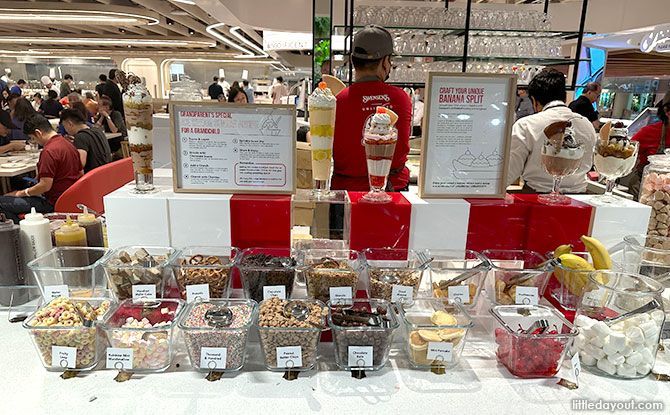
{"type": "Point", "coordinates": [379, 225]}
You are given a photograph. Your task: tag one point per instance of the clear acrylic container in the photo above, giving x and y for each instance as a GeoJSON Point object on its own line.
{"type": "Point", "coordinates": [85, 337]}
{"type": "Point", "coordinates": [570, 284]}
{"type": "Point", "coordinates": [516, 268]}
{"type": "Point", "coordinates": [434, 332]}
{"type": "Point", "coordinates": [122, 276]}
{"type": "Point", "coordinates": [457, 275]}
{"type": "Point", "coordinates": [363, 347]}
{"type": "Point", "coordinates": [200, 265]}
{"type": "Point", "coordinates": [77, 267]}
{"type": "Point", "coordinates": [282, 345]}
{"type": "Point", "coordinates": [528, 352]}
{"type": "Point", "coordinates": [329, 268]}
{"type": "Point", "coordinates": [393, 274]}
{"type": "Point", "coordinates": [273, 268]}
{"type": "Point", "coordinates": [622, 347]}
{"type": "Point", "coordinates": [153, 347]}
{"type": "Point", "coordinates": [210, 326]}
{"type": "Point", "coordinates": [648, 256]}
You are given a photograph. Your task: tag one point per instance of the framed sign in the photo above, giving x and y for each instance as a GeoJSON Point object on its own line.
{"type": "Point", "coordinates": [231, 148]}
{"type": "Point", "coordinates": [467, 130]}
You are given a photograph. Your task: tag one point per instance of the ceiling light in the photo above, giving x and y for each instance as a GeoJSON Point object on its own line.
{"type": "Point", "coordinates": [211, 30]}
{"type": "Point", "coordinates": [82, 17]}
{"type": "Point", "coordinates": [189, 2]}
{"type": "Point", "coordinates": [110, 41]}
{"type": "Point", "coordinates": [234, 31]}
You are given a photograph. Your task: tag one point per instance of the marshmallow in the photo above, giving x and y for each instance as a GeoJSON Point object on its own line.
{"type": "Point", "coordinates": [606, 366]}
{"type": "Point", "coordinates": [617, 340]}
{"type": "Point", "coordinates": [610, 349]}
{"type": "Point", "coordinates": [643, 369]}
{"type": "Point", "coordinates": [620, 326]}
{"type": "Point", "coordinates": [650, 329]}
{"type": "Point", "coordinates": [634, 359]}
{"type": "Point", "coordinates": [580, 341]}
{"type": "Point", "coordinates": [602, 329]}
{"type": "Point", "coordinates": [616, 359]}
{"type": "Point", "coordinates": [635, 334]}
{"type": "Point", "coordinates": [658, 316]}
{"type": "Point", "coordinates": [585, 322]}
{"type": "Point", "coordinates": [598, 341]}
{"type": "Point", "coordinates": [647, 356]}
{"type": "Point", "coordinates": [627, 350]}
{"type": "Point", "coordinates": [651, 341]}
{"type": "Point", "coordinates": [594, 351]}
{"type": "Point", "coordinates": [587, 359]}
{"type": "Point", "coordinates": [626, 370]}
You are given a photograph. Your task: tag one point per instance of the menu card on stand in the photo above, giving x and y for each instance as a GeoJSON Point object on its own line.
{"type": "Point", "coordinates": [466, 135]}
{"type": "Point", "coordinates": [230, 148]}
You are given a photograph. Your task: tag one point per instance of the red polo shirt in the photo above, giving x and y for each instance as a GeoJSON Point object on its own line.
{"type": "Point", "coordinates": [649, 138]}
{"type": "Point", "coordinates": [60, 161]}
{"type": "Point", "coordinates": [354, 105]}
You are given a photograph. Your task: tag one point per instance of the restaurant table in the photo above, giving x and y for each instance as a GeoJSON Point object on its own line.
{"type": "Point", "coordinates": [28, 163]}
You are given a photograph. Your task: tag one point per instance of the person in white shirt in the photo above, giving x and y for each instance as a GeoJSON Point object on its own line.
{"type": "Point", "coordinates": [49, 84]}
{"type": "Point", "coordinates": [225, 85]}
{"type": "Point", "coordinates": [278, 91]}
{"type": "Point", "coordinates": [547, 93]}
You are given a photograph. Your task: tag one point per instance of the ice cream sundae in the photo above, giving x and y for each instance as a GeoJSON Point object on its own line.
{"type": "Point", "coordinates": [379, 139]}
{"type": "Point", "coordinates": [322, 105]}
{"type": "Point", "coordinates": [615, 155]}
{"type": "Point", "coordinates": [137, 104]}
{"type": "Point", "coordinates": [562, 155]}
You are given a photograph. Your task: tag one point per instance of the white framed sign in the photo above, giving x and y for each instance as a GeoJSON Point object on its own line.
{"type": "Point", "coordinates": [467, 130]}
{"type": "Point", "coordinates": [232, 148]}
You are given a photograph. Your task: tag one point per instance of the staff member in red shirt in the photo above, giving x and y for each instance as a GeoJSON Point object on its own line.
{"type": "Point", "coordinates": [649, 137]}
{"type": "Point", "coordinates": [371, 56]}
{"type": "Point", "coordinates": [58, 168]}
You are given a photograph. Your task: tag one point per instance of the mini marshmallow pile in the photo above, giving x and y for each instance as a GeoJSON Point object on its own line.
{"type": "Point", "coordinates": [150, 348]}
{"type": "Point", "coordinates": [626, 349]}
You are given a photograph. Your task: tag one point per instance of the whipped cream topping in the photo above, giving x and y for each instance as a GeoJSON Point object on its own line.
{"type": "Point", "coordinates": [322, 98]}
{"type": "Point", "coordinates": [573, 153]}
{"type": "Point", "coordinates": [380, 124]}
{"type": "Point", "coordinates": [137, 94]}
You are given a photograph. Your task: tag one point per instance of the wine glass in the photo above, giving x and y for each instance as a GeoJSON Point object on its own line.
{"type": "Point", "coordinates": [562, 155]}
{"type": "Point", "coordinates": [614, 159]}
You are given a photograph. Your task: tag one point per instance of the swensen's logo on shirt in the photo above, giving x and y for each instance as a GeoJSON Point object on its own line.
{"type": "Point", "coordinates": [368, 98]}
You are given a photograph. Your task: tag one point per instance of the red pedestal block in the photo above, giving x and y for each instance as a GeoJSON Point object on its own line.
{"type": "Point", "coordinates": [497, 224]}
{"type": "Point", "coordinates": [550, 226]}
{"type": "Point", "coordinates": [379, 225]}
{"type": "Point", "coordinates": [259, 221]}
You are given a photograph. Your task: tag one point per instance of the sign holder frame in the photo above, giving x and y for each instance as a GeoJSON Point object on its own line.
{"type": "Point", "coordinates": [177, 188]}
{"type": "Point", "coordinates": [509, 119]}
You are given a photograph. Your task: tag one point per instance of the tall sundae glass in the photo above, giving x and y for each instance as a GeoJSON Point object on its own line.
{"type": "Point", "coordinates": [562, 155]}
{"type": "Point", "coordinates": [379, 139]}
{"type": "Point", "coordinates": [615, 157]}
{"type": "Point", "coordinates": [322, 105]}
{"type": "Point", "coordinates": [137, 104]}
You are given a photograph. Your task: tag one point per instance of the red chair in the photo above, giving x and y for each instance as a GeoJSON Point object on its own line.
{"type": "Point", "coordinates": [94, 185]}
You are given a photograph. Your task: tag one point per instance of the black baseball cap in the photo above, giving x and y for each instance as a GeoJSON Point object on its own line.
{"type": "Point", "coordinates": [372, 43]}
{"type": "Point", "coordinates": [6, 120]}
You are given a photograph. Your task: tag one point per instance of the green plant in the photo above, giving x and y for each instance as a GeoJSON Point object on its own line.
{"type": "Point", "coordinates": [321, 52]}
{"type": "Point", "coordinates": [321, 27]}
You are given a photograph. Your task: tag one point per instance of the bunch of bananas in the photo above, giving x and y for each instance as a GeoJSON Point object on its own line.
{"type": "Point", "coordinates": [579, 268]}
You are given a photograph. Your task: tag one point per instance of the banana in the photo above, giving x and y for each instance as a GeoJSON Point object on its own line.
{"type": "Point", "coordinates": [577, 280]}
{"type": "Point", "coordinates": [562, 249]}
{"type": "Point", "coordinates": [599, 255]}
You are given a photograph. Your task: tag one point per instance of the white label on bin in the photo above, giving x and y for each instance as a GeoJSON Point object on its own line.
{"type": "Point", "coordinates": [64, 357]}
{"type": "Point", "coordinates": [55, 291]}
{"type": "Point", "coordinates": [341, 295]}
{"type": "Point", "coordinates": [144, 291]}
{"type": "Point", "coordinates": [119, 358]}
{"type": "Point", "coordinates": [289, 357]}
{"type": "Point", "coordinates": [576, 367]}
{"type": "Point", "coordinates": [440, 351]}
{"type": "Point", "coordinates": [278, 291]}
{"type": "Point", "coordinates": [213, 357]}
{"type": "Point", "coordinates": [197, 292]}
{"type": "Point", "coordinates": [360, 356]}
{"type": "Point", "coordinates": [459, 294]}
{"type": "Point", "coordinates": [526, 295]}
{"type": "Point", "coordinates": [401, 294]}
